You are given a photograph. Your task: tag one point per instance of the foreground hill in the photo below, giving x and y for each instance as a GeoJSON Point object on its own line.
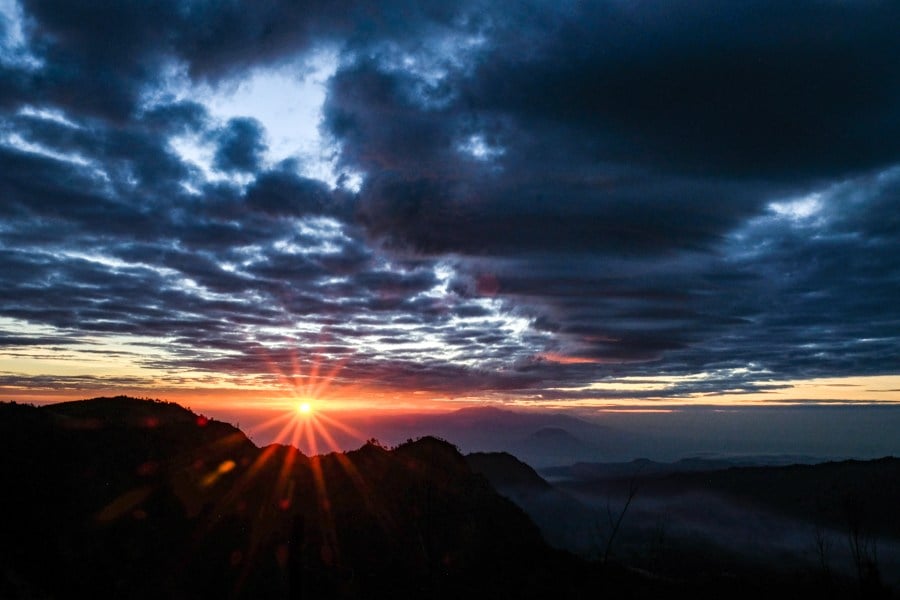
{"type": "Point", "coordinates": [126, 498]}
{"type": "Point", "coordinates": [123, 498]}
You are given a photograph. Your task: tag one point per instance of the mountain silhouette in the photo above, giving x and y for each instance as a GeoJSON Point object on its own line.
{"type": "Point", "coordinates": [643, 467]}
{"type": "Point", "coordinates": [550, 446]}
{"type": "Point", "coordinates": [561, 518]}
{"type": "Point", "coordinates": [506, 472]}
{"type": "Point", "coordinates": [127, 498]}
{"type": "Point", "coordinates": [540, 439]}
{"type": "Point", "coordinates": [132, 498]}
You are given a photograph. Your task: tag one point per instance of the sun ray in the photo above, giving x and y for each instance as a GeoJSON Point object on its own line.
{"type": "Point", "coordinates": [260, 462]}
{"type": "Point", "coordinates": [308, 431]}
{"type": "Point", "coordinates": [310, 437]}
{"type": "Point", "coordinates": [322, 432]}
{"type": "Point", "coordinates": [357, 479]}
{"type": "Point", "coordinates": [329, 440]}
{"type": "Point", "coordinates": [285, 482]}
{"type": "Point", "coordinates": [353, 474]}
{"type": "Point", "coordinates": [342, 426]}
{"type": "Point", "coordinates": [296, 369]}
{"type": "Point", "coordinates": [275, 369]}
{"type": "Point", "coordinates": [324, 383]}
{"type": "Point", "coordinates": [269, 423]}
{"type": "Point", "coordinates": [313, 377]}
{"type": "Point", "coordinates": [248, 474]}
{"type": "Point", "coordinates": [286, 431]}
{"type": "Point", "coordinates": [324, 502]}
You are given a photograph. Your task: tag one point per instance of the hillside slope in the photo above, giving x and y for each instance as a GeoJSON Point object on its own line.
{"type": "Point", "coordinates": [127, 498]}
{"type": "Point", "coordinates": [124, 498]}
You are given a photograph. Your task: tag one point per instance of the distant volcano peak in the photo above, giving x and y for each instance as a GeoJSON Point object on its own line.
{"type": "Point", "coordinates": [553, 433]}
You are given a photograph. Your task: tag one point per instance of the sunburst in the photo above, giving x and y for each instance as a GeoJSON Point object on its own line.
{"type": "Point", "coordinates": [307, 426]}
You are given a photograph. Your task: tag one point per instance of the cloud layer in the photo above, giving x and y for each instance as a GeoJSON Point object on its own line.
{"type": "Point", "coordinates": [523, 200]}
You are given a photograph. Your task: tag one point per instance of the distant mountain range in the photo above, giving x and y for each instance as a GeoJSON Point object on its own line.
{"type": "Point", "coordinates": [557, 439]}
{"type": "Point", "coordinates": [547, 439]}
{"type": "Point", "coordinates": [541, 439]}
{"type": "Point", "coordinates": [643, 467]}
{"type": "Point", "coordinates": [127, 498]}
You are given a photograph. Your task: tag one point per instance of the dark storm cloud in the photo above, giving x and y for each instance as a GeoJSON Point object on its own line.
{"type": "Point", "coordinates": [784, 90]}
{"type": "Point", "coordinates": [625, 128]}
{"type": "Point", "coordinates": [827, 282]}
{"type": "Point", "coordinates": [522, 215]}
{"type": "Point", "coordinates": [241, 146]}
{"type": "Point", "coordinates": [623, 145]}
{"type": "Point", "coordinates": [280, 193]}
{"type": "Point", "coordinates": [608, 310]}
{"type": "Point", "coordinates": [221, 38]}
{"type": "Point", "coordinates": [101, 58]}
{"type": "Point", "coordinates": [552, 193]}
{"type": "Point", "coordinates": [179, 117]}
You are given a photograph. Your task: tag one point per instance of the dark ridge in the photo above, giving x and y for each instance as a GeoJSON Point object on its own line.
{"type": "Point", "coordinates": [564, 522]}
{"type": "Point", "coordinates": [129, 498]}
{"type": "Point", "coordinates": [504, 470]}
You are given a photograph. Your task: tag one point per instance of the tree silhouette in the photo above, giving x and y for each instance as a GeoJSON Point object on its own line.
{"type": "Point", "coordinates": [863, 547]}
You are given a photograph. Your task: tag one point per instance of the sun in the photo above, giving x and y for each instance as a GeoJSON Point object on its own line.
{"type": "Point", "coordinates": [304, 408]}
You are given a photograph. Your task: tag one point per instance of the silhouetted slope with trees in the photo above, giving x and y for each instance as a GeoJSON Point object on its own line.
{"type": "Point", "coordinates": [127, 498]}
{"type": "Point", "coordinates": [564, 522]}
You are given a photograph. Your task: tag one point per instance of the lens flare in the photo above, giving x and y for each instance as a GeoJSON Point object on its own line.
{"type": "Point", "coordinates": [306, 426]}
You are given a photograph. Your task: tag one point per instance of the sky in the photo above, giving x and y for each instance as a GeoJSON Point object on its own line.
{"type": "Point", "coordinates": [611, 205]}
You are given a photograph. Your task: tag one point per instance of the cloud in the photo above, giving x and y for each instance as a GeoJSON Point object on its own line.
{"type": "Point", "coordinates": [548, 195]}
{"type": "Point", "coordinates": [824, 286]}
{"type": "Point", "coordinates": [241, 146]}
{"type": "Point", "coordinates": [617, 128]}
{"type": "Point", "coordinates": [621, 149]}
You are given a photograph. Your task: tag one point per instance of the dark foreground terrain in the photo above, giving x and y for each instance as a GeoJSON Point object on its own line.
{"type": "Point", "coordinates": [127, 498]}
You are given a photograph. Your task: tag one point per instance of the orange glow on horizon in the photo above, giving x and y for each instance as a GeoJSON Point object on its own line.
{"type": "Point", "coordinates": [333, 400]}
